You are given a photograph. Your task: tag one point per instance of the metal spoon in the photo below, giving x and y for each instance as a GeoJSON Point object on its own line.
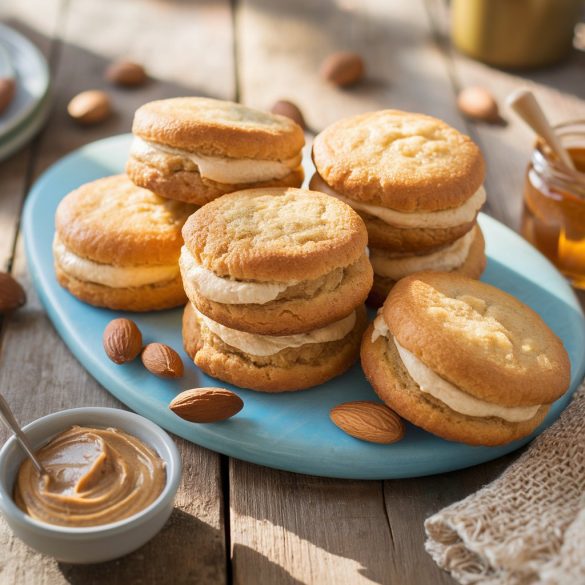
{"type": "Point", "coordinates": [8, 417]}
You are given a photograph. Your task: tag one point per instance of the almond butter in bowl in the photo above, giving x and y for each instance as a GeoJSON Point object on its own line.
{"type": "Point", "coordinates": [95, 476]}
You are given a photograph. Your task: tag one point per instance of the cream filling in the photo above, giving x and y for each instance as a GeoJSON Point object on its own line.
{"type": "Point", "coordinates": [108, 275]}
{"type": "Point", "coordinates": [444, 260]}
{"type": "Point", "coordinates": [444, 218]}
{"type": "Point", "coordinates": [225, 170]}
{"type": "Point", "coordinates": [446, 392]}
{"type": "Point", "coordinates": [264, 345]}
{"type": "Point", "coordinates": [225, 290]}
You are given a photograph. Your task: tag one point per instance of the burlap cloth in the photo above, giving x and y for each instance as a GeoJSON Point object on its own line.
{"type": "Point", "coordinates": [527, 526]}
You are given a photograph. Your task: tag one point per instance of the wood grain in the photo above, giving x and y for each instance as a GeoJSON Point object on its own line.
{"type": "Point", "coordinates": [38, 374]}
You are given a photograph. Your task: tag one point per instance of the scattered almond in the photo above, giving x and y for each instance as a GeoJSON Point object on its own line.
{"type": "Point", "coordinates": [204, 405]}
{"type": "Point", "coordinates": [478, 103]}
{"type": "Point", "coordinates": [161, 360]}
{"type": "Point", "coordinates": [368, 421]}
{"type": "Point", "coordinates": [122, 340]}
{"type": "Point", "coordinates": [290, 110]}
{"type": "Point", "coordinates": [126, 73]}
{"type": "Point", "coordinates": [7, 89]}
{"type": "Point", "coordinates": [343, 68]}
{"type": "Point", "coordinates": [12, 295]}
{"type": "Point", "coordinates": [90, 107]}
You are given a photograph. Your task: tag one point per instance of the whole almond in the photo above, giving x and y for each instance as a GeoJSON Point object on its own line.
{"type": "Point", "coordinates": [161, 360]}
{"type": "Point", "coordinates": [126, 73]}
{"type": "Point", "coordinates": [204, 405]}
{"type": "Point", "coordinates": [478, 103]}
{"type": "Point", "coordinates": [290, 110]}
{"type": "Point", "coordinates": [122, 340]}
{"type": "Point", "coordinates": [343, 68]}
{"type": "Point", "coordinates": [7, 89]}
{"type": "Point", "coordinates": [90, 107]}
{"type": "Point", "coordinates": [12, 295]}
{"type": "Point", "coordinates": [368, 421]}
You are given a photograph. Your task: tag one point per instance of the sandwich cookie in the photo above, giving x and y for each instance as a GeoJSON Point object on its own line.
{"type": "Point", "coordinates": [271, 363]}
{"type": "Point", "coordinates": [463, 359]}
{"type": "Point", "coordinates": [275, 261]}
{"type": "Point", "coordinates": [464, 256]}
{"type": "Point", "coordinates": [416, 182]}
{"type": "Point", "coordinates": [195, 149]}
{"type": "Point", "coordinates": [117, 246]}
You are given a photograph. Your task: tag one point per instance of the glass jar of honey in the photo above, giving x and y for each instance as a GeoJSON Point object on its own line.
{"type": "Point", "coordinates": [553, 218]}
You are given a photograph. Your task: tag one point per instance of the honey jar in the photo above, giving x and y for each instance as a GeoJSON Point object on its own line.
{"type": "Point", "coordinates": [553, 217]}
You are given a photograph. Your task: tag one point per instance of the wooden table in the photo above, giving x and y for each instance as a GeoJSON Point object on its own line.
{"type": "Point", "coordinates": [234, 521]}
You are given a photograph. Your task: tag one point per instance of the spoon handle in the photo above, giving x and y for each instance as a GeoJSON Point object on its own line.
{"type": "Point", "coordinates": [525, 105]}
{"type": "Point", "coordinates": [8, 417]}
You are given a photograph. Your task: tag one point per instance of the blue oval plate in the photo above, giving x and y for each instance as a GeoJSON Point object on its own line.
{"type": "Point", "coordinates": [289, 431]}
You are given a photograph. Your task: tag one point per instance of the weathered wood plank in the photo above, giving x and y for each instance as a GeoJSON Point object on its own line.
{"type": "Point", "coordinates": [290, 528]}
{"type": "Point", "coordinates": [37, 373]}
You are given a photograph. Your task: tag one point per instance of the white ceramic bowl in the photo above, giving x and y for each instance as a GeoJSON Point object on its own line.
{"type": "Point", "coordinates": [96, 543]}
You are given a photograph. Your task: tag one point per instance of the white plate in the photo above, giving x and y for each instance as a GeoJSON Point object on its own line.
{"type": "Point", "coordinates": [32, 78]}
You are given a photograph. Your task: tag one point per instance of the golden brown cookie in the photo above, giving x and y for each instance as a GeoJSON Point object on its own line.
{"type": "Point", "coordinates": [401, 160]}
{"type": "Point", "coordinates": [275, 261]}
{"type": "Point", "coordinates": [117, 245]}
{"type": "Point", "coordinates": [473, 264]}
{"type": "Point", "coordinates": [292, 368]}
{"type": "Point", "coordinates": [464, 360]}
{"type": "Point", "coordinates": [196, 149]}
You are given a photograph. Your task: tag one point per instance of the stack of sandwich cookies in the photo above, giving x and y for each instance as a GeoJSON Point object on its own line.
{"type": "Point", "coordinates": [117, 246]}
{"type": "Point", "coordinates": [464, 360]}
{"type": "Point", "coordinates": [416, 182]}
{"type": "Point", "coordinates": [197, 149]}
{"type": "Point", "coordinates": [276, 280]}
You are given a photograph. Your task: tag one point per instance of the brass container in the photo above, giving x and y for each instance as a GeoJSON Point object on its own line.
{"type": "Point", "coordinates": [515, 33]}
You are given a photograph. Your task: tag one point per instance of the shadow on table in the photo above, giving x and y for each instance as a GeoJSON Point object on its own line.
{"type": "Point", "coordinates": [177, 555]}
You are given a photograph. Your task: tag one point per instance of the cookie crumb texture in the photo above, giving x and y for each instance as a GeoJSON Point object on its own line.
{"type": "Point", "coordinates": [479, 338]}
{"type": "Point", "coordinates": [288, 370]}
{"type": "Point", "coordinates": [385, 371]}
{"type": "Point", "coordinates": [275, 235]}
{"type": "Point", "coordinates": [402, 160]}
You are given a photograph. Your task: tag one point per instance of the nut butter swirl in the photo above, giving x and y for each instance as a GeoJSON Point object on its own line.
{"type": "Point", "coordinates": [96, 476]}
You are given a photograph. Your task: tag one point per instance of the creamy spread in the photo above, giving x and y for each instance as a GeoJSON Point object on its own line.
{"type": "Point", "coordinates": [221, 169]}
{"type": "Point", "coordinates": [445, 260]}
{"type": "Point", "coordinates": [263, 345]}
{"type": "Point", "coordinates": [444, 218]}
{"type": "Point", "coordinates": [95, 476]}
{"type": "Point", "coordinates": [226, 290]}
{"type": "Point", "coordinates": [109, 275]}
{"type": "Point", "coordinates": [456, 399]}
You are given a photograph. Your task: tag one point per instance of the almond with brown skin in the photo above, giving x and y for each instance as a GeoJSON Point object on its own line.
{"type": "Point", "coordinates": [12, 295]}
{"type": "Point", "coordinates": [7, 89]}
{"type": "Point", "coordinates": [161, 360]}
{"type": "Point", "coordinates": [369, 421]}
{"type": "Point", "coordinates": [205, 405]}
{"type": "Point", "coordinates": [122, 340]}
{"type": "Point", "coordinates": [343, 68]}
{"type": "Point", "coordinates": [478, 103]}
{"type": "Point", "coordinates": [290, 110]}
{"type": "Point", "coordinates": [90, 107]}
{"type": "Point", "coordinates": [126, 73]}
